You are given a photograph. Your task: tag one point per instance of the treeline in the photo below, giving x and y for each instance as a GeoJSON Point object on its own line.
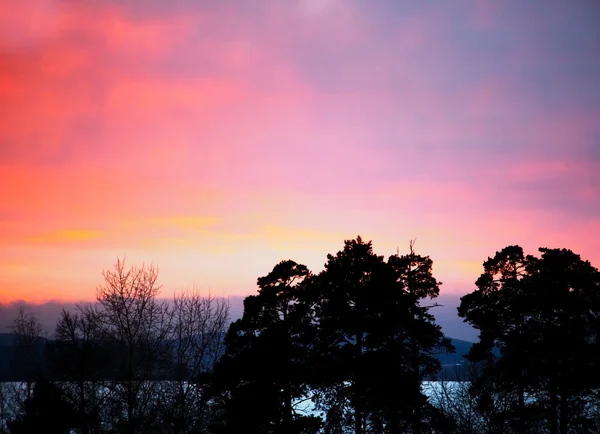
{"type": "Point", "coordinates": [346, 350]}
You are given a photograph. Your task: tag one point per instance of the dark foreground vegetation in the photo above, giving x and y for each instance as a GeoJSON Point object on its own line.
{"type": "Point", "coordinates": [346, 350]}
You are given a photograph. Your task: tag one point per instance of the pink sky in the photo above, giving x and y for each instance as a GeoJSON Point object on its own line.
{"type": "Point", "coordinates": [215, 139]}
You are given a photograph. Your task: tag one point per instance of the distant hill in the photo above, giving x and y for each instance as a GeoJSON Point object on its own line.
{"type": "Point", "coordinates": [462, 348]}
{"type": "Point", "coordinates": [11, 365]}
{"type": "Point", "coordinates": [7, 342]}
{"type": "Point", "coordinates": [7, 339]}
{"type": "Point", "coordinates": [451, 363]}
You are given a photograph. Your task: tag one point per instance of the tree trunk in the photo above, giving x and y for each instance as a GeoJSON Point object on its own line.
{"type": "Point", "coordinates": [358, 416]}
{"type": "Point", "coordinates": [564, 412]}
{"type": "Point", "coordinates": [553, 407]}
{"type": "Point", "coordinates": [358, 408]}
{"type": "Point", "coordinates": [414, 349]}
{"type": "Point", "coordinates": [83, 407]}
{"type": "Point", "coordinates": [394, 422]}
{"type": "Point", "coordinates": [130, 397]}
{"type": "Point", "coordinates": [130, 427]}
{"type": "Point", "coordinates": [521, 409]}
{"type": "Point", "coordinates": [416, 414]}
{"type": "Point", "coordinates": [564, 367]}
{"type": "Point", "coordinates": [288, 419]}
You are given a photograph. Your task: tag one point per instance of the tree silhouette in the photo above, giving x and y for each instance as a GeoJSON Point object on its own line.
{"type": "Point", "coordinates": [500, 309]}
{"type": "Point", "coordinates": [374, 340]}
{"type": "Point", "coordinates": [543, 316]}
{"type": "Point", "coordinates": [27, 362]}
{"type": "Point", "coordinates": [198, 327]}
{"type": "Point", "coordinates": [425, 338]}
{"type": "Point", "coordinates": [264, 366]}
{"type": "Point", "coordinates": [349, 294]}
{"type": "Point", "coordinates": [77, 357]}
{"type": "Point", "coordinates": [357, 340]}
{"type": "Point", "coordinates": [136, 326]}
{"type": "Point", "coordinates": [567, 316]}
{"type": "Point", "coordinates": [45, 411]}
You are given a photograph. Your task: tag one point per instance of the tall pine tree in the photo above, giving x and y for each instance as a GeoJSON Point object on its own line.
{"type": "Point", "coordinates": [542, 314]}
{"type": "Point", "coordinates": [375, 341]}
{"type": "Point", "coordinates": [264, 367]}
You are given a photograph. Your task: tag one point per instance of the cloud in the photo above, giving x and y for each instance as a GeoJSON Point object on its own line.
{"type": "Point", "coordinates": [205, 134]}
{"type": "Point", "coordinates": [47, 313]}
{"type": "Point", "coordinates": [67, 236]}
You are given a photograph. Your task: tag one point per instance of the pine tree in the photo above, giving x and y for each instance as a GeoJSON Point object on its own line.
{"type": "Point", "coordinates": [264, 367]}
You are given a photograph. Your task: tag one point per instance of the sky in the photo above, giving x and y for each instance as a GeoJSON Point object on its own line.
{"type": "Point", "coordinates": [214, 139]}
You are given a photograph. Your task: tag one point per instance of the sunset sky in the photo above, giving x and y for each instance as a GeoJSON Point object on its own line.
{"type": "Point", "coordinates": [216, 138]}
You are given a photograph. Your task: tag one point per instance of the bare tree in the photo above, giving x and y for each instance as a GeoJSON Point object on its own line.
{"type": "Point", "coordinates": [27, 328]}
{"type": "Point", "coordinates": [28, 333]}
{"type": "Point", "coordinates": [454, 400]}
{"type": "Point", "coordinates": [199, 326]}
{"type": "Point", "coordinates": [136, 327]}
{"type": "Point", "coordinates": [473, 413]}
{"type": "Point", "coordinates": [113, 355]}
{"type": "Point", "coordinates": [77, 360]}
{"type": "Point", "coordinates": [27, 365]}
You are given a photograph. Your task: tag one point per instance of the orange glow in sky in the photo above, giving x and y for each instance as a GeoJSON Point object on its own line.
{"type": "Point", "coordinates": [215, 139]}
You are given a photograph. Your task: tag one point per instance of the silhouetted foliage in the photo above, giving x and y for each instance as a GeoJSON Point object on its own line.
{"type": "Point", "coordinates": [349, 296]}
{"type": "Point", "coordinates": [565, 323]}
{"type": "Point", "coordinates": [373, 340]}
{"type": "Point", "coordinates": [78, 357]}
{"type": "Point", "coordinates": [543, 315]}
{"type": "Point", "coordinates": [354, 339]}
{"type": "Point", "coordinates": [425, 338]}
{"type": "Point", "coordinates": [264, 367]}
{"type": "Point", "coordinates": [198, 327]}
{"type": "Point", "coordinates": [28, 355]}
{"type": "Point", "coordinates": [346, 350]}
{"type": "Point", "coordinates": [46, 411]}
{"type": "Point", "coordinates": [499, 308]}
